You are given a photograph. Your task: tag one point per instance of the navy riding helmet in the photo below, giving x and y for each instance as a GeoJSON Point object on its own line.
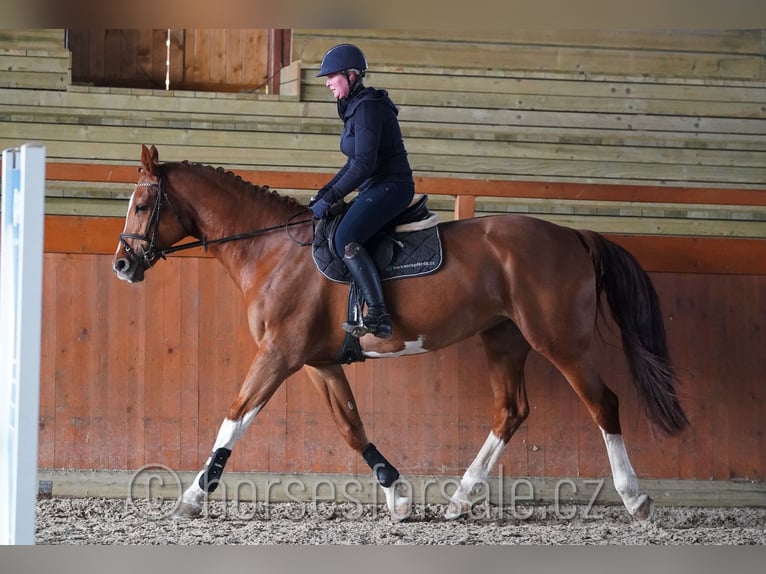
{"type": "Point", "coordinates": [342, 57]}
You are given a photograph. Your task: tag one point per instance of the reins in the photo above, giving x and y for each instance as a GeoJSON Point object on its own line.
{"type": "Point", "coordinates": [151, 253]}
{"type": "Point", "coordinates": [205, 242]}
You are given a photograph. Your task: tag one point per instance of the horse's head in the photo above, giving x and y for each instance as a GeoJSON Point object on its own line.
{"type": "Point", "coordinates": [148, 229]}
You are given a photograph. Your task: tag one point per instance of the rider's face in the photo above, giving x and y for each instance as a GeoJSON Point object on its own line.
{"type": "Point", "coordinates": [338, 84]}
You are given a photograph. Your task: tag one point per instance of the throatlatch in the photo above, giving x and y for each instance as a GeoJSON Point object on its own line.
{"type": "Point", "coordinates": [384, 471]}
{"type": "Point", "coordinates": [209, 479]}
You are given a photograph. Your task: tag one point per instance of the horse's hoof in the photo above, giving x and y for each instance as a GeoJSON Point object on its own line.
{"type": "Point", "coordinates": [186, 510]}
{"type": "Point", "coordinates": [401, 511]}
{"type": "Point", "coordinates": [645, 509]}
{"type": "Point", "coordinates": [457, 508]}
{"type": "Point", "coordinates": [398, 502]}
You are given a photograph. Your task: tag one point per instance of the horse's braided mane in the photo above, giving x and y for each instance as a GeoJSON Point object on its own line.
{"type": "Point", "coordinates": [265, 189]}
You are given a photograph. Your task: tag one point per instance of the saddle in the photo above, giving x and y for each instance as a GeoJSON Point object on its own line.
{"type": "Point", "coordinates": [410, 246]}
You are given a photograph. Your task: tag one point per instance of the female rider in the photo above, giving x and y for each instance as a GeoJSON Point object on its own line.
{"type": "Point", "coordinates": [377, 165]}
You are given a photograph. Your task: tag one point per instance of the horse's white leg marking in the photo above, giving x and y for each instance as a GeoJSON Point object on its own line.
{"type": "Point", "coordinates": [475, 476]}
{"type": "Point", "coordinates": [410, 348]}
{"type": "Point", "coordinates": [398, 502]}
{"type": "Point", "coordinates": [229, 433]}
{"type": "Point", "coordinates": [623, 475]}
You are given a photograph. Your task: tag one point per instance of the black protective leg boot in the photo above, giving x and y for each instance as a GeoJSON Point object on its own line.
{"type": "Point", "coordinates": [365, 274]}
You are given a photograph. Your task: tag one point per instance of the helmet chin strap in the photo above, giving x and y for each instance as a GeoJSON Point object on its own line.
{"type": "Point", "coordinates": [352, 85]}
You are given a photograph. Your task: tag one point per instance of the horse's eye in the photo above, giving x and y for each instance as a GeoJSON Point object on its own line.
{"type": "Point", "coordinates": [141, 208]}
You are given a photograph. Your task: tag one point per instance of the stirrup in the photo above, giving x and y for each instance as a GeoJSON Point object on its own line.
{"type": "Point", "coordinates": [379, 326]}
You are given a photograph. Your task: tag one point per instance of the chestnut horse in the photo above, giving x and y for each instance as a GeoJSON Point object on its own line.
{"type": "Point", "coordinates": [518, 282]}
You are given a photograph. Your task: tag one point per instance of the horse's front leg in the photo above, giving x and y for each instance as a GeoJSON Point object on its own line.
{"type": "Point", "coordinates": [332, 384]}
{"type": "Point", "coordinates": [263, 379]}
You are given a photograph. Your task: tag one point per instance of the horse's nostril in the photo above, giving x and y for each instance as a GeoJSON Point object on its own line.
{"type": "Point", "coordinates": [121, 265]}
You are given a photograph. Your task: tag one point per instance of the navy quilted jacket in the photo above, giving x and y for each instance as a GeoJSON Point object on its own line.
{"type": "Point", "coordinates": [372, 141]}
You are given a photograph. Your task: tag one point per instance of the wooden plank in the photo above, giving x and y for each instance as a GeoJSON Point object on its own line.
{"type": "Point", "coordinates": [741, 328]}
{"type": "Point", "coordinates": [79, 57]}
{"type": "Point", "coordinates": [290, 80]}
{"type": "Point", "coordinates": [478, 80]}
{"type": "Point", "coordinates": [543, 58]}
{"type": "Point", "coordinates": [448, 96]}
{"type": "Point", "coordinates": [189, 381]}
{"type": "Point", "coordinates": [639, 122]}
{"type": "Point", "coordinates": [488, 188]}
{"type": "Point", "coordinates": [33, 80]}
{"type": "Point", "coordinates": [432, 132]}
{"type": "Point", "coordinates": [32, 38]}
{"type": "Point", "coordinates": [177, 58]}
{"type": "Point", "coordinates": [94, 142]}
{"type": "Point", "coordinates": [53, 64]}
{"type": "Point", "coordinates": [46, 448]}
{"type": "Point", "coordinates": [256, 59]}
{"type": "Point", "coordinates": [71, 403]}
{"type": "Point", "coordinates": [425, 165]}
{"type": "Point", "coordinates": [65, 234]}
{"type": "Point", "coordinates": [129, 72]}
{"type": "Point", "coordinates": [112, 55]}
{"type": "Point", "coordinates": [217, 57]}
{"type": "Point", "coordinates": [725, 41]}
{"type": "Point", "coordinates": [579, 152]}
{"type": "Point", "coordinates": [94, 370]}
{"type": "Point", "coordinates": [107, 483]}
{"type": "Point", "coordinates": [243, 103]}
{"type": "Point", "coordinates": [122, 367]}
{"type": "Point", "coordinates": [87, 48]}
{"type": "Point", "coordinates": [170, 329]}
{"type": "Point", "coordinates": [153, 56]}
{"type": "Point", "coordinates": [235, 53]}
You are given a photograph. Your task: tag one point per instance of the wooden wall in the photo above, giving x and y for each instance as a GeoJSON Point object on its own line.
{"type": "Point", "coordinates": [557, 112]}
{"type": "Point", "coordinates": [199, 59]}
{"type": "Point", "coordinates": [139, 374]}
{"type": "Point", "coordinates": [657, 138]}
{"type": "Point", "coordinates": [669, 108]}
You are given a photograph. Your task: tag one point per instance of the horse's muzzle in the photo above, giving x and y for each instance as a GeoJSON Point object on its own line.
{"type": "Point", "coordinates": [128, 269]}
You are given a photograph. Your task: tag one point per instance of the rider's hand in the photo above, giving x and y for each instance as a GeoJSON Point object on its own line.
{"type": "Point", "coordinates": [319, 208]}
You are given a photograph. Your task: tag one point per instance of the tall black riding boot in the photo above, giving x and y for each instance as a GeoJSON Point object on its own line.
{"type": "Point", "coordinates": [363, 270]}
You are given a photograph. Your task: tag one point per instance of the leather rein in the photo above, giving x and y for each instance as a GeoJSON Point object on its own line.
{"type": "Point", "coordinates": [150, 254]}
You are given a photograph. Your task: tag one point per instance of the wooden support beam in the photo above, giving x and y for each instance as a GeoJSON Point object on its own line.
{"type": "Point", "coordinates": [665, 254]}
{"type": "Point", "coordinates": [452, 186]}
{"type": "Point", "coordinates": [465, 206]}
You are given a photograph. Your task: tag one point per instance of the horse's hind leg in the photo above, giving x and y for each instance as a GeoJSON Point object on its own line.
{"type": "Point", "coordinates": [603, 406]}
{"type": "Point", "coordinates": [332, 384]}
{"type": "Point", "coordinates": [506, 351]}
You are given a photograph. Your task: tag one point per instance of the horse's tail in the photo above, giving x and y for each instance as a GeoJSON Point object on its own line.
{"type": "Point", "coordinates": [635, 307]}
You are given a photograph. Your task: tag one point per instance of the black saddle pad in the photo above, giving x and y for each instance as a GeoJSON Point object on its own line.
{"type": "Point", "coordinates": [397, 254]}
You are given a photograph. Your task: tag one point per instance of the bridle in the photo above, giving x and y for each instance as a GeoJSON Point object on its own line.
{"type": "Point", "coordinates": [150, 254]}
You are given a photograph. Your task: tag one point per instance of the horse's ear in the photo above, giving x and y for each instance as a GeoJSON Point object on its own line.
{"type": "Point", "coordinates": [155, 155]}
{"type": "Point", "coordinates": [150, 159]}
